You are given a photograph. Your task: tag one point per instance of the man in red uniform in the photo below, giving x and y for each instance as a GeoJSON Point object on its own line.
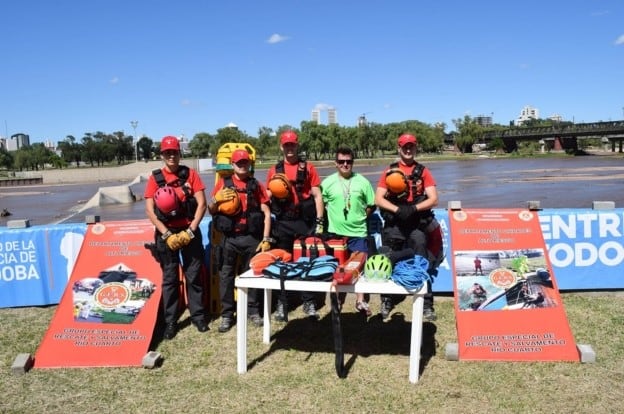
{"type": "Point", "coordinates": [298, 212]}
{"type": "Point", "coordinates": [407, 212]}
{"type": "Point", "coordinates": [240, 210]}
{"type": "Point", "coordinates": [175, 203]}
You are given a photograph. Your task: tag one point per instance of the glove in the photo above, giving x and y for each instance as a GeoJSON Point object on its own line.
{"type": "Point", "coordinates": [225, 194]}
{"type": "Point", "coordinates": [320, 224]}
{"type": "Point", "coordinates": [264, 245]}
{"type": "Point", "coordinates": [405, 212]}
{"type": "Point", "coordinates": [173, 242]}
{"type": "Point", "coordinates": [185, 237]}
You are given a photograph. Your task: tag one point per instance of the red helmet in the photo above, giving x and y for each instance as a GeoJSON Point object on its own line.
{"type": "Point", "coordinates": [169, 143]}
{"type": "Point", "coordinates": [166, 201]}
{"type": "Point", "coordinates": [288, 137]}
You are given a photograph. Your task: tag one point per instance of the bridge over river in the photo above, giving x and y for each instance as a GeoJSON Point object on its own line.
{"type": "Point", "coordinates": [564, 136]}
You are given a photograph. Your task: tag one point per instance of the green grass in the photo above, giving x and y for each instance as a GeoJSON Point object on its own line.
{"type": "Point", "coordinates": [295, 373]}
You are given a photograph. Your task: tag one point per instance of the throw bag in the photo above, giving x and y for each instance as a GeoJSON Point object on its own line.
{"type": "Point", "coordinates": [263, 259]}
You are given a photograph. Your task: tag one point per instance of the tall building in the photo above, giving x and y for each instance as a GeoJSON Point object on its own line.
{"type": "Point", "coordinates": [331, 116]}
{"type": "Point", "coordinates": [316, 116]}
{"type": "Point", "coordinates": [527, 113]}
{"type": "Point", "coordinates": [17, 141]}
{"type": "Point", "coordinates": [483, 120]}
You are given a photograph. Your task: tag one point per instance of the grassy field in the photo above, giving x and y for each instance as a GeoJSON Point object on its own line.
{"type": "Point", "coordinates": [295, 373]}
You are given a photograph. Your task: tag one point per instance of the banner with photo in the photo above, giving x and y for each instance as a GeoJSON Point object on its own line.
{"type": "Point", "coordinates": [507, 301]}
{"type": "Point", "coordinates": [107, 314]}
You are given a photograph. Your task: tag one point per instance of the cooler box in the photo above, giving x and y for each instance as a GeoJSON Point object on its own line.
{"type": "Point", "coordinates": [312, 245]}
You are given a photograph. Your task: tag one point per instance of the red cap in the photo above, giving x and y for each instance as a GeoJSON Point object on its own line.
{"type": "Point", "coordinates": [240, 154]}
{"type": "Point", "coordinates": [407, 139]}
{"type": "Point", "coordinates": [169, 143]}
{"type": "Point", "coordinates": [288, 137]}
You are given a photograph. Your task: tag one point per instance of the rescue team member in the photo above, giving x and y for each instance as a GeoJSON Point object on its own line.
{"type": "Point", "coordinates": [240, 210]}
{"type": "Point", "coordinates": [175, 203]}
{"type": "Point", "coordinates": [296, 202]}
{"type": "Point", "coordinates": [349, 200]}
{"type": "Point", "coordinates": [406, 194]}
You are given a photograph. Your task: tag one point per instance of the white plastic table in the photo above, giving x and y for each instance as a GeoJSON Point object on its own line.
{"type": "Point", "coordinates": [247, 280]}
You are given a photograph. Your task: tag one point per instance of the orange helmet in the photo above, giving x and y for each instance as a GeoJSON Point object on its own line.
{"type": "Point", "coordinates": [396, 182]}
{"type": "Point", "coordinates": [166, 201]}
{"type": "Point", "coordinates": [231, 207]}
{"type": "Point", "coordinates": [279, 186]}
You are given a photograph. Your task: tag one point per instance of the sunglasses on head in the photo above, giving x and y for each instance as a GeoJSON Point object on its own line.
{"type": "Point", "coordinates": [349, 162]}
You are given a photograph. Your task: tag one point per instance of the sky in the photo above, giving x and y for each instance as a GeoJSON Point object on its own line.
{"type": "Point", "coordinates": [70, 67]}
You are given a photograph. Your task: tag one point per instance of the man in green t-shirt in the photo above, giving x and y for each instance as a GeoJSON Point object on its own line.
{"type": "Point", "coordinates": [349, 198]}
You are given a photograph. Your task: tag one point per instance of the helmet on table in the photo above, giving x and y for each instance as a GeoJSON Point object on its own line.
{"type": "Point", "coordinates": [279, 186]}
{"type": "Point", "coordinates": [378, 268]}
{"type": "Point", "coordinates": [166, 201]}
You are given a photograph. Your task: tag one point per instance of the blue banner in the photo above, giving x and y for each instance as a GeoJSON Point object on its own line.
{"type": "Point", "coordinates": [35, 263]}
{"type": "Point", "coordinates": [585, 247]}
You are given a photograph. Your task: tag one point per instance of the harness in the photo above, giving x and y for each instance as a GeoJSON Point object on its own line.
{"type": "Point", "coordinates": [189, 205]}
{"type": "Point", "coordinates": [286, 208]}
{"type": "Point", "coordinates": [254, 218]}
{"type": "Point", "coordinates": [416, 186]}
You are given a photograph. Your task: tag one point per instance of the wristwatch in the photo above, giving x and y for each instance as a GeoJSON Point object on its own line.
{"type": "Point", "coordinates": [268, 239]}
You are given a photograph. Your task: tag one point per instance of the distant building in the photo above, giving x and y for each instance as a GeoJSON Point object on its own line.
{"type": "Point", "coordinates": [17, 141]}
{"type": "Point", "coordinates": [362, 121]}
{"type": "Point", "coordinates": [527, 113]}
{"type": "Point", "coordinates": [483, 120]}
{"type": "Point", "coordinates": [331, 116]}
{"type": "Point", "coordinates": [556, 118]}
{"type": "Point", "coordinates": [316, 116]}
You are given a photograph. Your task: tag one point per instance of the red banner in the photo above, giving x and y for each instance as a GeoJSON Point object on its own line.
{"type": "Point", "coordinates": [507, 303]}
{"type": "Point", "coordinates": [107, 313]}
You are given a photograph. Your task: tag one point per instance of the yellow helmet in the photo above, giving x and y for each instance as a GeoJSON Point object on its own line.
{"type": "Point", "coordinates": [396, 182]}
{"type": "Point", "coordinates": [279, 186]}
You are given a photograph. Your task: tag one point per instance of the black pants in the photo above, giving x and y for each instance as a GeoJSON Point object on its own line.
{"type": "Point", "coordinates": [401, 237]}
{"type": "Point", "coordinates": [285, 232]}
{"type": "Point", "coordinates": [235, 247]}
{"type": "Point", "coordinates": [192, 259]}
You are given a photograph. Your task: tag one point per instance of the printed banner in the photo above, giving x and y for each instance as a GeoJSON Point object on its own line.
{"type": "Point", "coordinates": [585, 247]}
{"type": "Point", "coordinates": [507, 302]}
{"type": "Point", "coordinates": [35, 263]}
{"type": "Point", "coordinates": [108, 311]}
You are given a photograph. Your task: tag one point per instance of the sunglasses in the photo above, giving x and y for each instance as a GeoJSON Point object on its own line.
{"type": "Point", "coordinates": [348, 162]}
{"type": "Point", "coordinates": [242, 163]}
{"type": "Point", "coordinates": [169, 153]}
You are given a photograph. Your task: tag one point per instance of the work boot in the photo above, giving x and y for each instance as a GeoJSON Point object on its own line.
{"type": "Point", "coordinates": [386, 308]}
{"type": "Point", "coordinates": [429, 314]}
{"type": "Point", "coordinates": [171, 329]}
{"type": "Point", "coordinates": [309, 308]}
{"type": "Point", "coordinates": [226, 324]}
{"type": "Point", "coordinates": [256, 320]}
{"type": "Point", "coordinates": [280, 315]}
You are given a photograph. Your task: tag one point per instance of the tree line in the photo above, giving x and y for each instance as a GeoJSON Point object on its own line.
{"type": "Point", "coordinates": [318, 141]}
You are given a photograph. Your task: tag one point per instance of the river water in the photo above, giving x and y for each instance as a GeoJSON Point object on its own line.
{"type": "Point", "coordinates": [570, 182]}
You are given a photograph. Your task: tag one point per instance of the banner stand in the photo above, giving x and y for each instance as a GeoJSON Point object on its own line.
{"type": "Point", "coordinates": [507, 302]}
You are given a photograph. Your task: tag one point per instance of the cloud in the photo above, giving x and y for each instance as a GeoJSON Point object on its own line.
{"type": "Point", "coordinates": [619, 40]}
{"type": "Point", "coordinates": [186, 102]}
{"type": "Point", "coordinates": [114, 80]}
{"type": "Point", "coordinates": [276, 38]}
{"type": "Point", "coordinates": [524, 66]}
{"type": "Point", "coordinates": [322, 106]}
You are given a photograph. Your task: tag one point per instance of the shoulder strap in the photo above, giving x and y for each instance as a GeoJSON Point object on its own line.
{"type": "Point", "coordinates": [279, 167]}
{"type": "Point", "coordinates": [159, 177]}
